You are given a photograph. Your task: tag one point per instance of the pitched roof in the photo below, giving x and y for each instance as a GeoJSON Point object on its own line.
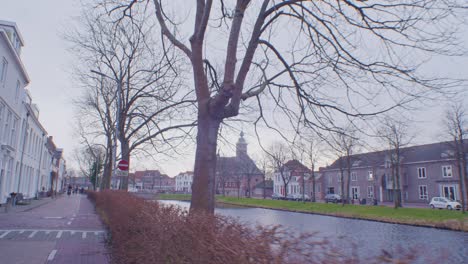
{"type": "Point", "coordinates": [233, 165]}
{"type": "Point", "coordinates": [420, 153]}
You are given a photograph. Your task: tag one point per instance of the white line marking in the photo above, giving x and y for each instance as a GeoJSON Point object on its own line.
{"type": "Point", "coordinates": [52, 255]}
{"type": "Point", "coordinates": [83, 236]}
{"type": "Point", "coordinates": [72, 232]}
{"type": "Point", "coordinates": [96, 233]}
{"type": "Point", "coordinates": [32, 234]}
{"type": "Point", "coordinates": [59, 234]}
{"type": "Point", "coordinates": [53, 217]}
{"type": "Point", "coordinates": [5, 234]}
{"type": "Point", "coordinates": [47, 232]}
{"type": "Point", "coordinates": [22, 231]}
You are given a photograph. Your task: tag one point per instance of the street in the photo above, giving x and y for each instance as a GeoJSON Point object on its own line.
{"type": "Point", "coordinates": [64, 230]}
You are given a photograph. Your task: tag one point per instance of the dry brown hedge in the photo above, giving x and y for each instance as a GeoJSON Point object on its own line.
{"type": "Point", "coordinates": [143, 232]}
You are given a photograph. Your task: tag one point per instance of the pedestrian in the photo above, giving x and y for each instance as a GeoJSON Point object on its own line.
{"type": "Point", "coordinates": [76, 189]}
{"type": "Point", "coordinates": [69, 189]}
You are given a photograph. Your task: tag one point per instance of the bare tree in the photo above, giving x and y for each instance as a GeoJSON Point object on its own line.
{"type": "Point", "coordinates": [344, 144]}
{"type": "Point", "coordinates": [395, 134]}
{"type": "Point", "coordinates": [90, 161]}
{"type": "Point", "coordinates": [457, 128]}
{"type": "Point", "coordinates": [313, 154]}
{"type": "Point", "coordinates": [147, 98]}
{"type": "Point", "coordinates": [278, 155]}
{"type": "Point", "coordinates": [315, 70]}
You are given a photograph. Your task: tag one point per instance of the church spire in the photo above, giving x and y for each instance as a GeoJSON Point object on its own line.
{"type": "Point", "coordinates": [241, 146]}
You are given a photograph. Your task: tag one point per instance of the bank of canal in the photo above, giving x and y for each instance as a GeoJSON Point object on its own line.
{"type": "Point", "coordinates": [370, 237]}
{"type": "Point", "coordinates": [452, 220]}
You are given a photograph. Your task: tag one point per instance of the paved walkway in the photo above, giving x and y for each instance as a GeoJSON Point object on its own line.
{"type": "Point", "coordinates": [63, 230]}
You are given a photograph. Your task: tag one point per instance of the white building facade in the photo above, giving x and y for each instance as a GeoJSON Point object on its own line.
{"type": "Point", "coordinates": [24, 163]}
{"type": "Point", "coordinates": [183, 182]}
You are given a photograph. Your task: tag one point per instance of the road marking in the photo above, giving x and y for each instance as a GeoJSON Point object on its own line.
{"type": "Point", "coordinates": [22, 231]}
{"type": "Point", "coordinates": [53, 217]}
{"type": "Point", "coordinates": [32, 234]}
{"type": "Point", "coordinates": [52, 255]}
{"type": "Point", "coordinates": [47, 232]}
{"type": "Point", "coordinates": [59, 234]}
{"type": "Point", "coordinates": [5, 234]}
{"type": "Point", "coordinates": [72, 232]}
{"type": "Point", "coordinates": [96, 233]}
{"type": "Point", "coordinates": [83, 236]}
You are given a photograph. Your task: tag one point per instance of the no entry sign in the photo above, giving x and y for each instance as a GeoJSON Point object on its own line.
{"type": "Point", "coordinates": [123, 165]}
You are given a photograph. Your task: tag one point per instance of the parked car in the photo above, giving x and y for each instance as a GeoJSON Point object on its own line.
{"type": "Point", "coordinates": [291, 197]}
{"type": "Point", "coordinates": [444, 203]}
{"type": "Point", "coordinates": [332, 198]}
{"type": "Point", "coordinates": [277, 196]}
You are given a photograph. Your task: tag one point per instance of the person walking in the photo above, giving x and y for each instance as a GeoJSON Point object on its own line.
{"type": "Point", "coordinates": [69, 189]}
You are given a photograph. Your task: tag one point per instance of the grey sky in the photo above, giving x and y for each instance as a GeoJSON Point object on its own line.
{"type": "Point", "coordinates": [46, 60]}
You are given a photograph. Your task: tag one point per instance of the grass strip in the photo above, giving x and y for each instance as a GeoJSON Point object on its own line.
{"type": "Point", "coordinates": [453, 220]}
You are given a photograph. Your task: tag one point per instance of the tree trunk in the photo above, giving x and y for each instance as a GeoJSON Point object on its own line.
{"type": "Point", "coordinates": [203, 190]}
{"type": "Point", "coordinates": [313, 185]}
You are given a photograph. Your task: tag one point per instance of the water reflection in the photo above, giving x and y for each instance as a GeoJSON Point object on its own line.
{"type": "Point", "coordinates": [370, 236]}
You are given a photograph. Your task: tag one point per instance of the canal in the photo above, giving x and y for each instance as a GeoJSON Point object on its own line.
{"type": "Point", "coordinates": [370, 237]}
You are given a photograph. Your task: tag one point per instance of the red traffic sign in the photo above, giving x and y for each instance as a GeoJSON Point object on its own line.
{"type": "Point", "coordinates": [123, 165]}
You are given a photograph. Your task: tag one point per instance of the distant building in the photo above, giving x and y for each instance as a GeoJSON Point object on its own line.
{"type": "Point", "coordinates": [184, 181]}
{"type": "Point", "coordinates": [426, 171]}
{"type": "Point", "coordinates": [298, 179]}
{"type": "Point", "coordinates": [155, 181]}
{"type": "Point", "coordinates": [239, 175]}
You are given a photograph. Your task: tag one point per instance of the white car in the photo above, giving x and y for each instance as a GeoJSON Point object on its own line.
{"type": "Point", "coordinates": [444, 203]}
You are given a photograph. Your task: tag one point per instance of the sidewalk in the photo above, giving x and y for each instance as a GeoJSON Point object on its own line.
{"type": "Point", "coordinates": [62, 230]}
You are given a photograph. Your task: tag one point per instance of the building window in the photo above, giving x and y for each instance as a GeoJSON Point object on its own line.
{"type": "Point", "coordinates": [3, 70]}
{"type": "Point", "coordinates": [330, 180]}
{"type": "Point", "coordinates": [423, 192]}
{"type": "Point", "coordinates": [355, 192]}
{"type": "Point", "coordinates": [370, 192]}
{"type": "Point", "coordinates": [339, 177]}
{"type": "Point", "coordinates": [353, 176]}
{"type": "Point", "coordinates": [422, 173]}
{"type": "Point", "coordinates": [447, 171]}
{"type": "Point", "coordinates": [370, 175]}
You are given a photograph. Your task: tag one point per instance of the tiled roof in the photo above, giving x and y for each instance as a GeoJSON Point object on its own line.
{"type": "Point", "coordinates": [420, 153]}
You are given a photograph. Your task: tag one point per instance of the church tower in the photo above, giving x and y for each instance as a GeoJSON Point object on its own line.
{"type": "Point", "coordinates": [241, 146]}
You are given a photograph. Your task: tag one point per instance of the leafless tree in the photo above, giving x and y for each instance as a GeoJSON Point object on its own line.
{"type": "Point", "coordinates": [148, 100]}
{"type": "Point", "coordinates": [95, 122]}
{"type": "Point", "coordinates": [313, 154]}
{"type": "Point", "coordinates": [314, 60]}
{"type": "Point", "coordinates": [278, 154]}
{"type": "Point", "coordinates": [344, 144]}
{"type": "Point", "coordinates": [457, 127]}
{"type": "Point", "coordinates": [90, 159]}
{"type": "Point", "coordinates": [395, 135]}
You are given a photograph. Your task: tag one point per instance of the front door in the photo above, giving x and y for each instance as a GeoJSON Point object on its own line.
{"type": "Point", "coordinates": [355, 192]}
{"type": "Point", "coordinates": [449, 191]}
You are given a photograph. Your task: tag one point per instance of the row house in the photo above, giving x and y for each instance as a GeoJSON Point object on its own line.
{"type": "Point", "coordinates": [298, 179]}
{"type": "Point", "coordinates": [184, 181]}
{"type": "Point", "coordinates": [24, 159]}
{"type": "Point", "coordinates": [425, 171]}
{"type": "Point", "coordinates": [239, 176]}
{"type": "Point", "coordinates": [154, 180]}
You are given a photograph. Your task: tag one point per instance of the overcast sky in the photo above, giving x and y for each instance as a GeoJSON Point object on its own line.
{"type": "Point", "coordinates": [46, 59]}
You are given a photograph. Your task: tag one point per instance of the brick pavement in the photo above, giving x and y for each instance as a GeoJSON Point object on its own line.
{"type": "Point", "coordinates": [63, 230]}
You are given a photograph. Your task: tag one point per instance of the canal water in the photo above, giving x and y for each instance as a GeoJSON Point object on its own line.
{"type": "Point", "coordinates": [370, 237]}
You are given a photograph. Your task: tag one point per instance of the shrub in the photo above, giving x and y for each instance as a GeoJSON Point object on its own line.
{"type": "Point", "coordinates": [144, 232]}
